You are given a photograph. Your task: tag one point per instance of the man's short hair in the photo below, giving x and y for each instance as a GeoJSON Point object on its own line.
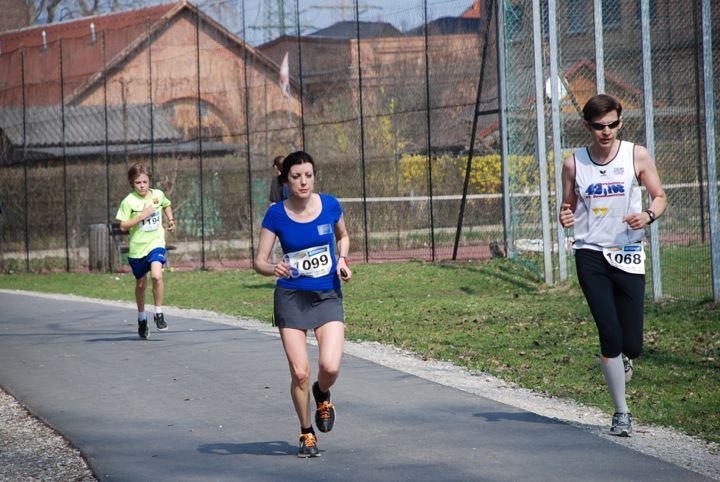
{"type": "Point", "coordinates": [599, 105]}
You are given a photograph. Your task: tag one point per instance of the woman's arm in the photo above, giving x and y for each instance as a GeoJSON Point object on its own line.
{"type": "Point", "coordinates": [343, 248]}
{"type": "Point", "coordinates": [262, 264]}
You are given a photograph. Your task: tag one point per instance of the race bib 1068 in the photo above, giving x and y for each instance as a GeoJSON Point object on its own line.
{"type": "Point", "coordinates": [629, 258]}
{"type": "Point", "coordinates": [312, 262]}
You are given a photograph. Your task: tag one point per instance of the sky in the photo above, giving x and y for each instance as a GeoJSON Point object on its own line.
{"type": "Point", "coordinates": [262, 16]}
{"type": "Point", "coordinates": [317, 14]}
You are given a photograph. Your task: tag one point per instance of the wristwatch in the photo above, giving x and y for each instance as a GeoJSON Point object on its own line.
{"type": "Point", "coordinates": [652, 215]}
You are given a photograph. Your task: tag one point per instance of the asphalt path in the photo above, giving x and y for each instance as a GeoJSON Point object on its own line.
{"type": "Point", "coordinates": [210, 402]}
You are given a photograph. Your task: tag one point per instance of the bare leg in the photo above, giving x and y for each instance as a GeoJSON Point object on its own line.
{"type": "Point", "coordinates": [140, 293]}
{"type": "Point", "coordinates": [330, 337]}
{"type": "Point", "coordinates": [295, 344]}
{"type": "Point", "coordinates": [157, 282]}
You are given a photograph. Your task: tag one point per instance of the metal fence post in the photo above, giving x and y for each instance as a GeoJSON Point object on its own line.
{"type": "Point", "coordinates": [473, 133]}
{"type": "Point", "coordinates": [362, 129]}
{"type": "Point", "coordinates": [64, 158]}
{"type": "Point", "coordinates": [650, 137]}
{"type": "Point", "coordinates": [247, 135]}
{"type": "Point", "coordinates": [428, 132]}
{"type": "Point", "coordinates": [710, 146]}
{"type": "Point", "coordinates": [26, 206]}
{"type": "Point", "coordinates": [107, 145]}
{"type": "Point", "coordinates": [556, 128]}
{"type": "Point", "coordinates": [541, 148]}
{"type": "Point", "coordinates": [300, 75]}
{"type": "Point", "coordinates": [199, 141]}
{"type": "Point", "coordinates": [599, 47]}
{"type": "Point", "coordinates": [502, 104]}
{"type": "Point", "coordinates": [150, 94]}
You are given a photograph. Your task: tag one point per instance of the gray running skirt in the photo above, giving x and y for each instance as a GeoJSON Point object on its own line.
{"type": "Point", "coordinates": [306, 310]}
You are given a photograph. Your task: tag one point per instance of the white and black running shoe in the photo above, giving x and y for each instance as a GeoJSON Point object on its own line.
{"type": "Point", "coordinates": [160, 322]}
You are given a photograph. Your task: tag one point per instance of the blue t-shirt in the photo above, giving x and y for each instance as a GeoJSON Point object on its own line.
{"type": "Point", "coordinates": [311, 245]}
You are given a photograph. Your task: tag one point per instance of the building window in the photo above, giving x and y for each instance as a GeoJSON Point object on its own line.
{"type": "Point", "coordinates": [514, 21]}
{"type": "Point", "coordinates": [638, 11]}
{"type": "Point", "coordinates": [577, 16]}
{"type": "Point", "coordinates": [611, 14]}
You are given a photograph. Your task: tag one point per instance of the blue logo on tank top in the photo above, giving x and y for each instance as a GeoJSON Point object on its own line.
{"type": "Point", "coordinates": [605, 189]}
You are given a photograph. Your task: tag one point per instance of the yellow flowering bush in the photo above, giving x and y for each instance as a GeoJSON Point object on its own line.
{"type": "Point", "coordinates": [448, 173]}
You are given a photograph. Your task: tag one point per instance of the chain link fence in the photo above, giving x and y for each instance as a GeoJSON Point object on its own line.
{"type": "Point", "coordinates": [405, 110]}
{"type": "Point", "coordinates": [600, 48]}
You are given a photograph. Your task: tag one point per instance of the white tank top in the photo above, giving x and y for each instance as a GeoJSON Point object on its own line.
{"type": "Point", "coordinates": [606, 194]}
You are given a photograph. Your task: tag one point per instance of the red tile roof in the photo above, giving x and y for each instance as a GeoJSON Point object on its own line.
{"type": "Point", "coordinates": [81, 56]}
{"type": "Point", "coordinates": [80, 28]}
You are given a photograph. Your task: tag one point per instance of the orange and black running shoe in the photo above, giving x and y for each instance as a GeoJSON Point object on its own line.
{"type": "Point", "coordinates": [308, 446]}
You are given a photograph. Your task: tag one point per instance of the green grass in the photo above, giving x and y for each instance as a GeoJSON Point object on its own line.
{"type": "Point", "coordinates": [496, 317]}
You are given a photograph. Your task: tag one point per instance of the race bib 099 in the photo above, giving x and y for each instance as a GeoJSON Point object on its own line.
{"type": "Point", "coordinates": [312, 262]}
{"type": "Point", "coordinates": [629, 258]}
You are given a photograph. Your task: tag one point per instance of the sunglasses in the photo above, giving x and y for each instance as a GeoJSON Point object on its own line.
{"type": "Point", "coordinates": [598, 126]}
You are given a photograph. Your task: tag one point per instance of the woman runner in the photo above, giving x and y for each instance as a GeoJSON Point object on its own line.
{"type": "Point", "coordinates": [307, 292]}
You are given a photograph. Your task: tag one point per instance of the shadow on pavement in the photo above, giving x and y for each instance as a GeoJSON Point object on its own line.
{"type": "Point", "coordinates": [516, 416]}
{"type": "Point", "coordinates": [256, 448]}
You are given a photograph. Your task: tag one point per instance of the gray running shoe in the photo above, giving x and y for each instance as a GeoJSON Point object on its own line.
{"type": "Point", "coordinates": [628, 365]}
{"type": "Point", "coordinates": [308, 446]}
{"type": "Point", "coordinates": [621, 424]}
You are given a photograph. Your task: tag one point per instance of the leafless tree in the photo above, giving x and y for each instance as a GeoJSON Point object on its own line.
{"type": "Point", "coordinates": [49, 11]}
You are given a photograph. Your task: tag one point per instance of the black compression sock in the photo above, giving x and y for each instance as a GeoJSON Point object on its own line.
{"type": "Point", "coordinates": [319, 395]}
{"type": "Point", "coordinates": [303, 431]}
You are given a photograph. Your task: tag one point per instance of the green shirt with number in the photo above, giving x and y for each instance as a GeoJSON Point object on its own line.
{"type": "Point", "coordinates": [148, 234]}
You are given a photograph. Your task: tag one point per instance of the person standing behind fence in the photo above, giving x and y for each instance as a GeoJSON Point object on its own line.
{"type": "Point", "coordinates": [602, 200]}
{"type": "Point", "coordinates": [141, 214]}
{"type": "Point", "coordinates": [307, 292]}
{"type": "Point", "coordinates": [278, 190]}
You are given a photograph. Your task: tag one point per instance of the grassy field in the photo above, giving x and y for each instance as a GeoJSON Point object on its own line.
{"type": "Point", "coordinates": [496, 317]}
